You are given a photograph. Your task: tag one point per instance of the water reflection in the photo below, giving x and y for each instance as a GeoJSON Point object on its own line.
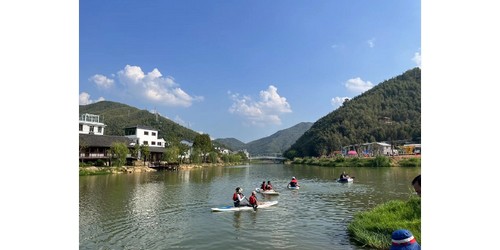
{"type": "Point", "coordinates": [172, 209]}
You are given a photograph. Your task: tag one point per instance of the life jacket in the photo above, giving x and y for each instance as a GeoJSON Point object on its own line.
{"type": "Point", "coordinates": [253, 200]}
{"type": "Point", "coordinates": [235, 197]}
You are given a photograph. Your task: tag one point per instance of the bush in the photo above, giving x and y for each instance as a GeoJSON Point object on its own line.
{"type": "Point", "coordinates": [380, 161]}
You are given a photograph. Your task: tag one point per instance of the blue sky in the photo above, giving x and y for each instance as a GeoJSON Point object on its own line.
{"type": "Point", "coordinates": [242, 69]}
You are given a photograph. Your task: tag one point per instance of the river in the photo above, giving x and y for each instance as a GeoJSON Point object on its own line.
{"type": "Point", "coordinates": [171, 209]}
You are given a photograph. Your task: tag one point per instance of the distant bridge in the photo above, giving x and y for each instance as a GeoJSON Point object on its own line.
{"type": "Point", "coordinates": [272, 158]}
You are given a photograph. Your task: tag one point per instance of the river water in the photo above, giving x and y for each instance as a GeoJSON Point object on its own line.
{"type": "Point", "coordinates": [171, 210]}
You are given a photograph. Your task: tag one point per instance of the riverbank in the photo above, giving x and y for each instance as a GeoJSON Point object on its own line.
{"type": "Point", "coordinates": [379, 161]}
{"type": "Point", "coordinates": [373, 228]}
{"type": "Point", "coordinates": [94, 170]}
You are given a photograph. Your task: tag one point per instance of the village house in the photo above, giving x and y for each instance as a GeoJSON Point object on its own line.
{"type": "Point", "coordinates": [94, 146]}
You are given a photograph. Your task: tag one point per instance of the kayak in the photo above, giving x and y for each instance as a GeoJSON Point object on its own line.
{"type": "Point", "coordinates": [345, 180]}
{"type": "Point", "coordinates": [264, 204]}
{"type": "Point", "coordinates": [293, 188]}
{"type": "Point", "coordinates": [269, 192]}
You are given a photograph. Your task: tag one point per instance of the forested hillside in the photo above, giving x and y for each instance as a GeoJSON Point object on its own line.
{"type": "Point", "coordinates": [118, 116]}
{"type": "Point", "coordinates": [388, 112]}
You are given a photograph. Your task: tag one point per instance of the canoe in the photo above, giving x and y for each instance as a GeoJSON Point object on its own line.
{"type": "Point", "coordinates": [345, 180]}
{"type": "Point", "coordinates": [264, 204]}
{"type": "Point", "coordinates": [266, 192]}
{"type": "Point", "coordinates": [293, 188]}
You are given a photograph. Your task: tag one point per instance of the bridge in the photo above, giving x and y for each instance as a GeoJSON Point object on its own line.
{"type": "Point", "coordinates": [272, 158]}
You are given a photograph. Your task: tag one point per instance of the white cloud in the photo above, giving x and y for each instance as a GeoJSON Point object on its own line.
{"type": "Point", "coordinates": [154, 87]}
{"type": "Point", "coordinates": [371, 42]}
{"type": "Point", "coordinates": [265, 111]}
{"type": "Point", "coordinates": [84, 99]}
{"type": "Point", "coordinates": [358, 86]}
{"type": "Point", "coordinates": [338, 101]}
{"type": "Point", "coordinates": [417, 59]}
{"type": "Point", "coordinates": [102, 81]}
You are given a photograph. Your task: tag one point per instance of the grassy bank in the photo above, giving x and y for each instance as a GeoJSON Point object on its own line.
{"type": "Point", "coordinates": [373, 228]}
{"type": "Point", "coordinates": [379, 161]}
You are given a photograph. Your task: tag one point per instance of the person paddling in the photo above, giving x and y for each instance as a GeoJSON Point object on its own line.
{"type": "Point", "coordinates": [269, 186]}
{"type": "Point", "coordinates": [293, 183]}
{"type": "Point", "coordinates": [253, 200]}
{"type": "Point", "coordinates": [344, 176]}
{"type": "Point", "coordinates": [263, 186]}
{"type": "Point", "coordinates": [238, 197]}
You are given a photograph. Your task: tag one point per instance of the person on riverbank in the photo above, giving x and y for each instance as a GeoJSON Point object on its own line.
{"type": "Point", "coordinates": [293, 182]}
{"type": "Point", "coordinates": [253, 200]}
{"type": "Point", "coordinates": [269, 186]}
{"type": "Point", "coordinates": [402, 239]}
{"type": "Point", "coordinates": [238, 198]}
{"type": "Point", "coordinates": [416, 184]}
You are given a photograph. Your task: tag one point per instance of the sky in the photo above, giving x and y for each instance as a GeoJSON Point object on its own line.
{"type": "Point", "coordinates": [43, 71]}
{"type": "Point", "coordinates": [242, 69]}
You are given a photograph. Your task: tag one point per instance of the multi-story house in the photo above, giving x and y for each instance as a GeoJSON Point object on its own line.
{"type": "Point", "coordinates": [90, 124]}
{"type": "Point", "coordinates": [144, 135]}
{"type": "Point", "coordinates": [94, 145]}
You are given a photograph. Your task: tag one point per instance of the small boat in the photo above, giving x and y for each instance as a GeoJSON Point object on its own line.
{"type": "Point", "coordinates": [293, 188]}
{"type": "Point", "coordinates": [268, 192]}
{"type": "Point", "coordinates": [264, 204]}
{"type": "Point", "coordinates": [345, 180]}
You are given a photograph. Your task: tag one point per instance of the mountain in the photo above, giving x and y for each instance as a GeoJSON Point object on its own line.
{"type": "Point", "coordinates": [232, 143]}
{"type": "Point", "coordinates": [118, 116]}
{"type": "Point", "coordinates": [279, 141]}
{"type": "Point", "coordinates": [276, 143]}
{"type": "Point", "coordinates": [390, 111]}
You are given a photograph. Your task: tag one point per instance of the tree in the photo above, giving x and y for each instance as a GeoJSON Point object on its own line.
{"type": "Point", "coordinates": [203, 144]}
{"type": "Point", "coordinates": [171, 154]}
{"type": "Point", "coordinates": [144, 149]}
{"type": "Point", "coordinates": [119, 151]}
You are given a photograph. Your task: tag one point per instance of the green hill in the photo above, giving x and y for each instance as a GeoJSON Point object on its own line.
{"type": "Point", "coordinates": [279, 141]}
{"type": "Point", "coordinates": [232, 143]}
{"type": "Point", "coordinates": [276, 143]}
{"type": "Point", "coordinates": [388, 112]}
{"type": "Point", "coordinates": [118, 116]}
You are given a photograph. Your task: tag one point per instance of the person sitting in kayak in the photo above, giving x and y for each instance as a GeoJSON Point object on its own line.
{"type": "Point", "coordinates": [263, 186]}
{"type": "Point", "coordinates": [293, 183]}
{"type": "Point", "coordinates": [344, 176]}
{"type": "Point", "coordinates": [238, 197]}
{"type": "Point", "coordinates": [269, 186]}
{"type": "Point", "coordinates": [253, 200]}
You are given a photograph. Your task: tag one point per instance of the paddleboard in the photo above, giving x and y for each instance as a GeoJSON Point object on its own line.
{"type": "Point", "coordinates": [264, 204]}
{"type": "Point", "coordinates": [268, 192]}
{"type": "Point", "coordinates": [293, 188]}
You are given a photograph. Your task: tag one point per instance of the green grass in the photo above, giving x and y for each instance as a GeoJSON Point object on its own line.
{"type": "Point", "coordinates": [373, 228]}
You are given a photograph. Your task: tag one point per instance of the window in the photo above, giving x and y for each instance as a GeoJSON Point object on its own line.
{"type": "Point", "coordinates": [159, 143]}
{"type": "Point", "coordinates": [146, 133]}
{"type": "Point", "coordinates": [81, 127]}
{"type": "Point", "coordinates": [145, 143]}
{"type": "Point", "coordinates": [153, 133]}
{"type": "Point", "coordinates": [153, 143]}
{"type": "Point", "coordinates": [91, 129]}
{"type": "Point", "coordinates": [99, 129]}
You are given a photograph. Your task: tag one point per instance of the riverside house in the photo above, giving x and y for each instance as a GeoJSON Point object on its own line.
{"type": "Point", "coordinates": [94, 146]}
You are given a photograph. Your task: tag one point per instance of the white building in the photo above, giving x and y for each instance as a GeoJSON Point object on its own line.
{"type": "Point", "coordinates": [90, 124]}
{"type": "Point", "coordinates": [145, 136]}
